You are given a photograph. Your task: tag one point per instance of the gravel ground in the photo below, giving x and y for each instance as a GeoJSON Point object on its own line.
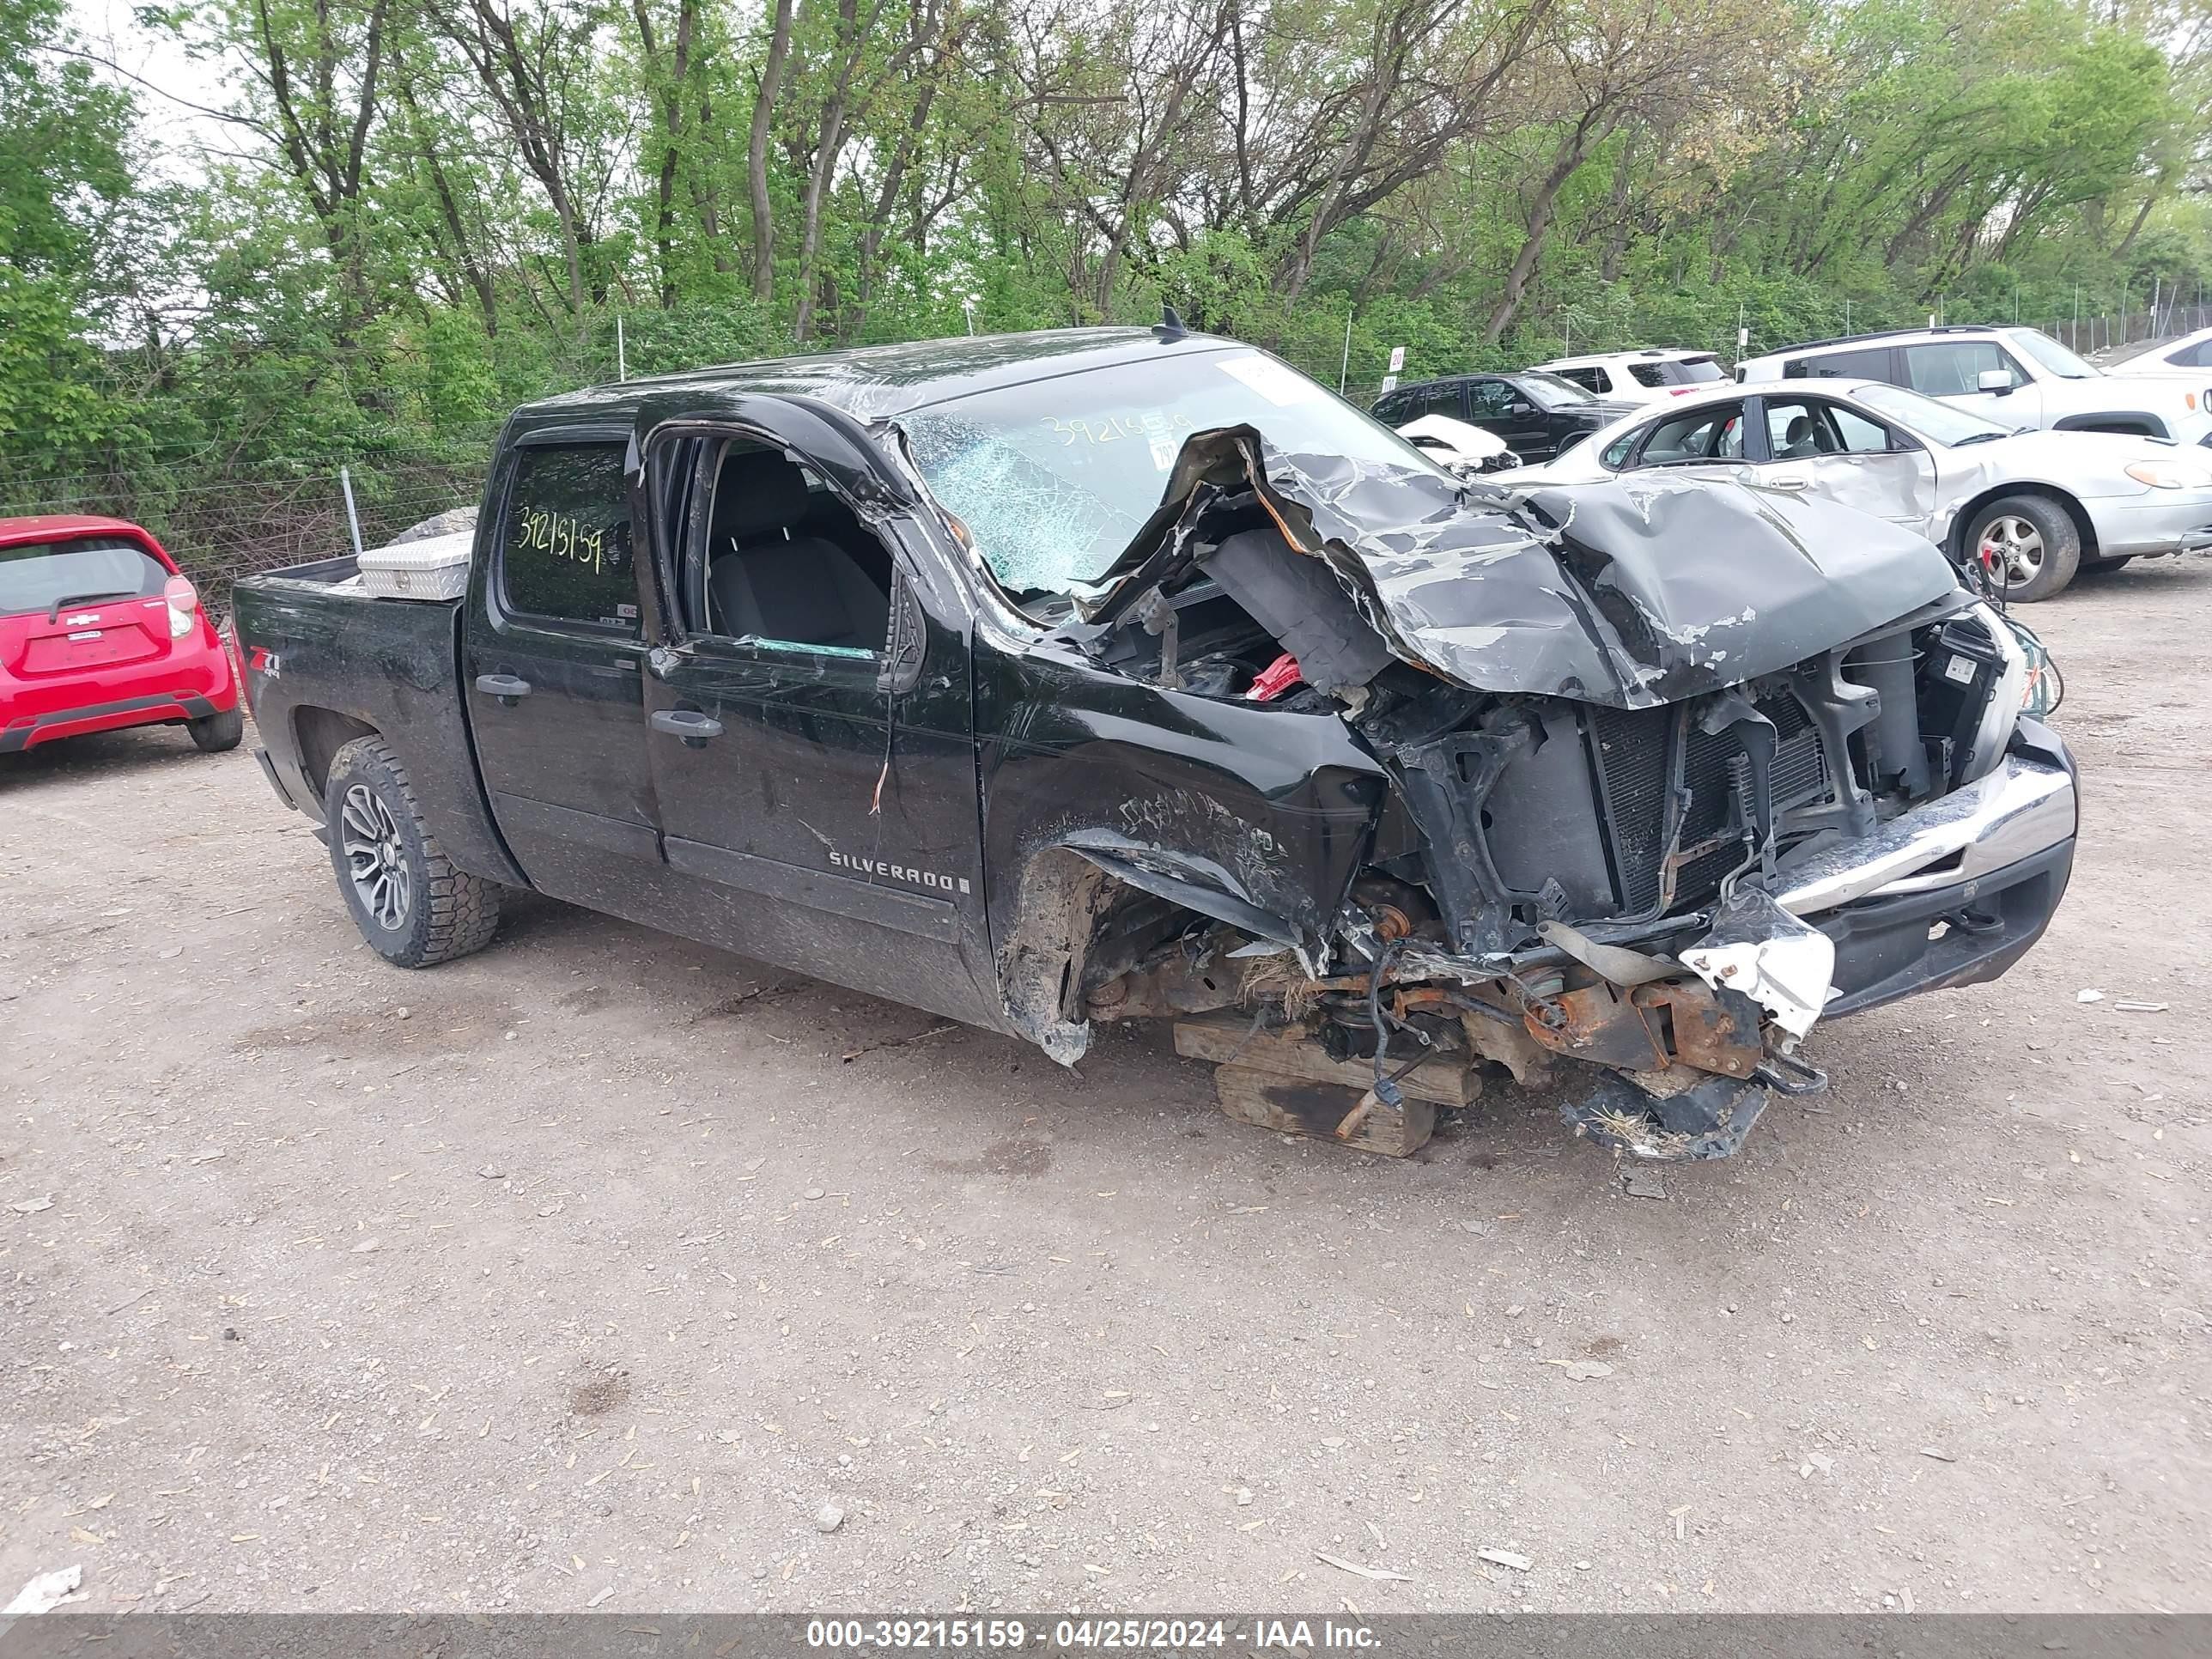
{"type": "Point", "coordinates": [604, 1270]}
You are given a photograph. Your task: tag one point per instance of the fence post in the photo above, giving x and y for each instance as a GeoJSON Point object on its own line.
{"type": "Point", "coordinates": [353, 518]}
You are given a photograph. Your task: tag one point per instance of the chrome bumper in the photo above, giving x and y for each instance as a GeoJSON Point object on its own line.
{"type": "Point", "coordinates": [2014, 812]}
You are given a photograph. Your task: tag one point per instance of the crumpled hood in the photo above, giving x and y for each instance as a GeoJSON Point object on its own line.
{"type": "Point", "coordinates": [1628, 592]}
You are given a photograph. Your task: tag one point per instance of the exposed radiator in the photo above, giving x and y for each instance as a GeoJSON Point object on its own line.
{"type": "Point", "coordinates": [1628, 751]}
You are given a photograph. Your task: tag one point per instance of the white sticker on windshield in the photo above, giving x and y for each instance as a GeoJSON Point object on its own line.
{"type": "Point", "coordinates": [1285, 388]}
{"type": "Point", "coordinates": [1164, 454]}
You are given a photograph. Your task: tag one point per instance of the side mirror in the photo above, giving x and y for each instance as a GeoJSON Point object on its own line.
{"type": "Point", "coordinates": [1521, 409]}
{"type": "Point", "coordinates": [1997, 382]}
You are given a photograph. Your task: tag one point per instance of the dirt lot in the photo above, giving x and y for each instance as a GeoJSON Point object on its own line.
{"type": "Point", "coordinates": [585, 1272]}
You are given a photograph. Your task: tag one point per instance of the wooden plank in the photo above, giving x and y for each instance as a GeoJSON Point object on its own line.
{"type": "Point", "coordinates": [1299, 1106]}
{"type": "Point", "coordinates": [1229, 1040]}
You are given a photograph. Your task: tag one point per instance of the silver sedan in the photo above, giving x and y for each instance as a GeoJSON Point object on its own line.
{"type": "Point", "coordinates": [2034, 507]}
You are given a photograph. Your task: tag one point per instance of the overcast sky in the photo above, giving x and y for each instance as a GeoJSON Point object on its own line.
{"type": "Point", "coordinates": [164, 75]}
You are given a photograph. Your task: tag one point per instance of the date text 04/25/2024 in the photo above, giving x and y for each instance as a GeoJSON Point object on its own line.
{"type": "Point", "coordinates": [1137, 1634]}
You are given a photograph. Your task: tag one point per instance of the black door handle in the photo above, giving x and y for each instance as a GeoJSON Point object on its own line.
{"type": "Point", "coordinates": [688, 724]}
{"type": "Point", "coordinates": [506, 688]}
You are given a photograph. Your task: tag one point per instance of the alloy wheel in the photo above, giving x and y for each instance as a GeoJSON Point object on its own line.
{"type": "Point", "coordinates": [2013, 547]}
{"type": "Point", "coordinates": [375, 859]}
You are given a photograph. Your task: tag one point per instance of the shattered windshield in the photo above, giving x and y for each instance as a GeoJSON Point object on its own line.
{"type": "Point", "coordinates": [1054, 476]}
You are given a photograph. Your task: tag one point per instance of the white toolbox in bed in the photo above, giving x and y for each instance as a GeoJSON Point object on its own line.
{"type": "Point", "coordinates": [436, 568]}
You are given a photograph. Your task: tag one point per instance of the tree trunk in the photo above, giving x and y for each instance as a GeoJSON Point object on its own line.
{"type": "Point", "coordinates": [1569, 155]}
{"type": "Point", "coordinates": [1616, 230]}
{"type": "Point", "coordinates": [779, 47]}
{"type": "Point", "coordinates": [673, 75]}
{"type": "Point", "coordinates": [2150, 200]}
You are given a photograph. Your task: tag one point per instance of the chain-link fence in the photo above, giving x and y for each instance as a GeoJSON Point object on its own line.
{"type": "Point", "coordinates": [2091, 336]}
{"type": "Point", "coordinates": [219, 529]}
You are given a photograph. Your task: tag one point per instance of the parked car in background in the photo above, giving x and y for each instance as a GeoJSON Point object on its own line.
{"type": "Point", "coordinates": [2177, 357]}
{"type": "Point", "coordinates": [1534, 415]}
{"type": "Point", "coordinates": [1647, 376]}
{"type": "Point", "coordinates": [1462, 450]}
{"type": "Point", "coordinates": [2032, 507]}
{"type": "Point", "coordinates": [98, 630]}
{"type": "Point", "coordinates": [2017, 377]}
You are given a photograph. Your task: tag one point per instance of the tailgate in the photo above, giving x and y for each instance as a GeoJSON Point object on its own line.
{"type": "Point", "coordinates": [105, 633]}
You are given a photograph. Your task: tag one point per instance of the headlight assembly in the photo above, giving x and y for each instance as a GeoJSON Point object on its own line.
{"type": "Point", "coordinates": [2171, 475]}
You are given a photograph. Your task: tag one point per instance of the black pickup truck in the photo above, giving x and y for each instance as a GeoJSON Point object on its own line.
{"type": "Point", "coordinates": [1045, 679]}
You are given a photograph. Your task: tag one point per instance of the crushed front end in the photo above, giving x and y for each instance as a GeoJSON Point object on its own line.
{"type": "Point", "coordinates": [1679, 772]}
{"type": "Point", "coordinates": [1678, 893]}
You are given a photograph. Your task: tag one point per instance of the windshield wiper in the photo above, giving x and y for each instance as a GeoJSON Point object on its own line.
{"type": "Point", "coordinates": [1982, 438]}
{"type": "Point", "coordinates": [64, 603]}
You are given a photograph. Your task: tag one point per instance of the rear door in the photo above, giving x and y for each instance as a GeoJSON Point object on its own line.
{"type": "Point", "coordinates": [552, 668]}
{"type": "Point", "coordinates": [1865, 363]}
{"type": "Point", "coordinates": [1446, 398]}
{"type": "Point", "coordinates": [1705, 442]}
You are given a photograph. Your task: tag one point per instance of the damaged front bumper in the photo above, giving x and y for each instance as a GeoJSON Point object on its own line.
{"type": "Point", "coordinates": [1950, 894]}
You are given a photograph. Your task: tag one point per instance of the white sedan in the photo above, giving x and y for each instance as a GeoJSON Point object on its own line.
{"type": "Point", "coordinates": [2034, 507]}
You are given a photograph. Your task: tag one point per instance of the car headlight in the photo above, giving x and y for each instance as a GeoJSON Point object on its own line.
{"type": "Point", "coordinates": [2171, 475]}
{"type": "Point", "coordinates": [2000, 714]}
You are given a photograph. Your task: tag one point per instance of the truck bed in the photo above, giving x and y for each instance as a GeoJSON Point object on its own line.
{"type": "Point", "coordinates": [327, 663]}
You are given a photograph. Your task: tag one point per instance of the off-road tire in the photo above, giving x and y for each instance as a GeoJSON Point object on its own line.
{"type": "Point", "coordinates": [449, 913]}
{"type": "Point", "coordinates": [2060, 550]}
{"type": "Point", "coordinates": [214, 733]}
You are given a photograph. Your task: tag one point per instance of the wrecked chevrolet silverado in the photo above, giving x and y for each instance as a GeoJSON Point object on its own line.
{"type": "Point", "coordinates": [1047, 680]}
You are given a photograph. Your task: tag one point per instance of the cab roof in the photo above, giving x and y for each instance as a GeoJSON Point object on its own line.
{"type": "Point", "coordinates": [872, 382]}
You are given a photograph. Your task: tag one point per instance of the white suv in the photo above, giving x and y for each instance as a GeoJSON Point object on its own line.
{"type": "Point", "coordinates": [2017, 377]}
{"type": "Point", "coordinates": [1639, 377]}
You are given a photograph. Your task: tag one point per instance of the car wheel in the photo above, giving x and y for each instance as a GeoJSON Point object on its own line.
{"type": "Point", "coordinates": [406, 897]}
{"type": "Point", "coordinates": [2028, 544]}
{"type": "Point", "coordinates": [2104, 567]}
{"type": "Point", "coordinates": [216, 733]}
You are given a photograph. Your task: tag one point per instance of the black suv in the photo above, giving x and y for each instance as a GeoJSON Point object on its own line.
{"type": "Point", "coordinates": [1538, 415]}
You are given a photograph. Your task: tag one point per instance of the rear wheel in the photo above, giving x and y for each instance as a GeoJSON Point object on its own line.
{"type": "Point", "coordinates": [2028, 544]}
{"type": "Point", "coordinates": [216, 733]}
{"type": "Point", "coordinates": [406, 897]}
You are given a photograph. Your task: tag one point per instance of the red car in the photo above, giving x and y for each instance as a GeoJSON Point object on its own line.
{"type": "Point", "coordinates": [98, 630]}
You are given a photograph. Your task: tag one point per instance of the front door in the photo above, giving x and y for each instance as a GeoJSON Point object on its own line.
{"type": "Point", "coordinates": [551, 669]}
{"type": "Point", "coordinates": [1954, 370]}
{"type": "Point", "coordinates": [1828, 449]}
{"type": "Point", "coordinates": [817, 790]}
{"type": "Point", "coordinates": [1497, 408]}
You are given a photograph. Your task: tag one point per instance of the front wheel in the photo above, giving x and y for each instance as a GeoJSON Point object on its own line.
{"type": "Point", "coordinates": [2104, 568]}
{"type": "Point", "coordinates": [214, 733]}
{"type": "Point", "coordinates": [2028, 544]}
{"type": "Point", "coordinates": [407, 898]}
